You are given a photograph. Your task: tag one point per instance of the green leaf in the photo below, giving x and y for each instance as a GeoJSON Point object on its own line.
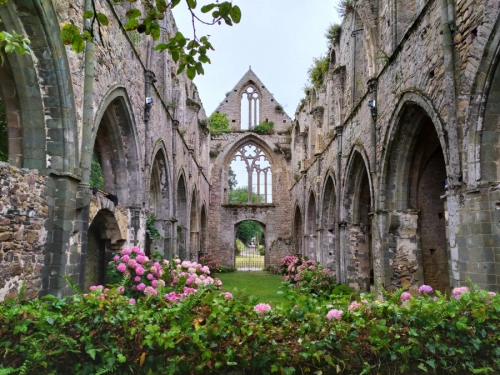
{"type": "Point", "coordinates": [131, 25]}
{"type": "Point", "coordinates": [235, 14]}
{"type": "Point", "coordinates": [181, 68]}
{"type": "Point", "coordinates": [199, 68]}
{"type": "Point", "coordinates": [68, 33]}
{"type": "Point", "coordinates": [175, 55]}
{"type": "Point", "coordinates": [174, 3]}
{"type": "Point", "coordinates": [103, 20]}
{"type": "Point", "coordinates": [204, 59]}
{"type": "Point", "coordinates": [78, 44]}
{"type": "Point", "coordinates": [161, 47]}
{"type": "Point", "coordinates": [161, 5]}
{"type": "Point", "coordinates": [207, 8]}
{"type": "Point", "coordinates": [88, 14]}
{"type": "Point", "coordinates": [155, 30]}
{"type": "Point", "coordinates": [191, 72]}
{"type": "Point", "coordinates": [191, 4]}
{"type": "Point", "coordinates": [133, 14]}
{"type": "Point", "coordinates": [181, 40]}
{"type": "Point", "coordinates": [422, 367]}
{"type": "Point", "coordinates": [121, 358]}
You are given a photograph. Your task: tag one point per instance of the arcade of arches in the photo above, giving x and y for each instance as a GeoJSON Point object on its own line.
{"type": "Point", "coordinates": [389, 173]}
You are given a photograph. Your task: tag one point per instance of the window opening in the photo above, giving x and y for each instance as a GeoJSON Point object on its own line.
{"type": "Point", "coordinates": [250, 108]}
{"type": "Point", "coordinates": [250, 176]}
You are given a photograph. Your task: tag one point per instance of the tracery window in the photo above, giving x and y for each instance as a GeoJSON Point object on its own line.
{"type": "Point", "coordinates": [250, 108]}
{"type": "Point", "coordinates": [252, 169]}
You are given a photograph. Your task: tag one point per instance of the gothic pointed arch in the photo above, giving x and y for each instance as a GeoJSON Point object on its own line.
{"type": "Point", "coordinates": [115, 145]}
{"type": "Point", "coordinates": [357, 210]}
{"type": "Point", "coordinates": [194, 226]}
{"type": "Point", "coordinates": [298, 230]}
{"type": "Point", "coordinates": [328, 223]}
{"type": "Point", "coordinates": [37, 92]}
{"type": "Point", "coordinates": [159, 184]}
{"type": "Point", "coordinates": [182, 218]}
{"type": "Point", "coordinates": [310, 227]}
{"type": "Point", "coordinates": [203, 230]}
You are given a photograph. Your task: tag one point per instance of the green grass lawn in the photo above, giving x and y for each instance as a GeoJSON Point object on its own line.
{"type": "Point", "coordinates": [260, 284]}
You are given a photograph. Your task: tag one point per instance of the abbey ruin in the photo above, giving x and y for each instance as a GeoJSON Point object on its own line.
{"type": "Point", "coordinates": [389, 173]}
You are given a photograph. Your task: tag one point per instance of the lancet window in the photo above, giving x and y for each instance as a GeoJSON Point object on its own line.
{"type": "Point", "coordinates": [254, 173]}
{"type": "Point", "coordinates": [250, 108]}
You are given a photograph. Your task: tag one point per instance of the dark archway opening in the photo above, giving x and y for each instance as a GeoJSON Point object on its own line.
{"type": "Point", "coordinates": [250, 246]}
{"type": "Point", "coordinates": [328, 253]}
{"type": "Point", "coordinates": [365, 235]}
{"type": "Point", "coordinates": [182, 219]}
{"type": "Point", "coordinates": [427, 179]}
{"type": "Point", "coordinates": [298, 231]}
{"type": "Point", "coordinates": [310, 249]}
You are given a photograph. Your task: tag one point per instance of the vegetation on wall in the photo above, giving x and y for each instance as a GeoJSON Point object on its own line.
{"type": "Point", "coordinates": [333, 34]}
{"type": "Point", "coordinates": [318, 71]}
{"type": "Point", "coordinates": [264, 128]}
{"type": "Point", "coordinates": [344, 7]}
{"type": "Point", "coordinates": [4, 138]}
{"type": "Point", "coordinates": [96, 175]}
{"type": "Point", "coordinates": [218, 123]}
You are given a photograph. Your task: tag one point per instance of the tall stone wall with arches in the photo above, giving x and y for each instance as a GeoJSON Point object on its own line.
{"type": "Point", "coordinates": [403, 136]}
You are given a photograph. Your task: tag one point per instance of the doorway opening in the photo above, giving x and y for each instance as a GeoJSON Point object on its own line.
{"type": "Point", "coordinates": [250, 246]}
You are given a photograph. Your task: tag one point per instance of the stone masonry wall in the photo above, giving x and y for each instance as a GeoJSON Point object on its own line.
{"type": "Point", "coordinates": [23, 211]}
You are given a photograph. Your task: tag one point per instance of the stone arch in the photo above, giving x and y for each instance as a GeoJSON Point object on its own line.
{"type": "Point", "coordinates": [182, 218]}
{"type": "Point", "coordinates": [194, 223]}
{"type": "Point", "coordinates": [115, 142]}
{"type": "Point", "coordinates": [415, 174]}
{"type": "Point", "coordinates": [481, 137]}
{"type": "Point", "coordinates": [38, 93]}
{"type": "Point", "coordinates": [203, 230]}
{"type": "Point", "coordinates": [298, 230]}
{"type": "Point", "coordinates": [310, 227]}
{"type": "Point", "coordinates": [251, 266]}
{"type": "Point", "coordinates": [104, 238]}
{"type": "Point", "coordinates": [160, 183]}
{"type": "Point", "coordinates": [328, 223]}
{"type": "Point", "coordinates": [395, 156]}
{"type": "Point", "coordinates": [357, 231]}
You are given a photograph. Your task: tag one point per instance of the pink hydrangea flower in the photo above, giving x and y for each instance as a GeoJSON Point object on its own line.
{"type": "Point", "coordinates": [140, 258]}
{"type": "Point", "coordinates": [131, 301]}
{"type": "Point", "coordinates": [227, 295]}
{"type": "Point", "coordinates": [125, 258]}
{"type": "Point", "coordinates": [354, 306]}
{"type": "Point", "coordinates": [154, 283]}
{"type": "Point", "coordinates": [425, 289]}
{"type": "Point", "coordinates": [134, 287]}
{"type": "Point", "coordinates": [188, 291]}
{"type": "Point", "coordinates": [121, 267]}
{"type": "Point", "coordinates": [405, 296]}
{"type": "Point", "coordinates": [141, 287]}
{"type": "Point", "coordinates": [116, 258]}
{"type": "Point", "coordinates": [334, 314]}
{"type": "Point", "coordinates": [178, 261]}
{"type": "Point", "coordinates": [161, 282]}
{"type": "Point", "coordinates": [132, 263]}
{"type": "Point", "coordinates": [150, 276]}
{"type": "Point", "coordinates": [125, 252]}
{"type": "Point", "coordinates": [457, 292]}
{"type": "Point", "coordinates": [141, 252]}
{"type": "Point", "coordinates": [153, 269]}
{"type": "Point", "coordinates": [150, 290]}
{"type": "Point", "coordinates": [137, 279]}
{"type": "Point", "coordinates": [261, 308]}
{"type": "Point", "coordinates": [139, 270]}
{"type": "Point", "coordinates": [120, 290]}
{"type": "Point", "coordinates": [492, 294]}
{"type": "Point", "coordinates": [135, 249]}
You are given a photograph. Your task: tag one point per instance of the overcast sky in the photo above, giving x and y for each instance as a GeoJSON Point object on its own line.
{"type": "Point", "coordinates": [278, 38]}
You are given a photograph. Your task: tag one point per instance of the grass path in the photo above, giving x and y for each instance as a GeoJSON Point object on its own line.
{"type": "Point", "coordinates": [260, 284]}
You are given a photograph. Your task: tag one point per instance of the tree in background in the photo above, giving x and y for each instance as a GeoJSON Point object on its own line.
{"type": "Point", "coordinates": [232, 182]}
{"type": "Point", "coordinates": [239, 195]}
{"type": "Point", "coordinates": [249, 230]}
{"type": "Point", "coordinates": [96, 175]}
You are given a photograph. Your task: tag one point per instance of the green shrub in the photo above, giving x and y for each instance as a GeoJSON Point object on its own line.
{"type": "Point", "coordinates": [96, 175]}
{"type": "Point", "coordinates": [218, 123]}
{"type": "Point", "coordinates": [261, 250]}
{"type": "Point", "coordinates": [318, 71]}
{"type": "Point", "coordinates": [264, 128]}
{"type": "Point", "coordinates": [333, 33]}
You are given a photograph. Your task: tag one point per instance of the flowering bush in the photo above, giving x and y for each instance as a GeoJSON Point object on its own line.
{"type": "Point", "coordinates": [307, 274]}
{"type": "Point", "coordinates": [209, 332]}
{"type": "Point", "coordinates": [209, 261]}
{"type": "Point", "coordinates": [175, 279]}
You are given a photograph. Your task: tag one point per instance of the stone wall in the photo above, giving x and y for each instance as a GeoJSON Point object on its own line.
{"type": "Point", "coordinates": [23, 211]}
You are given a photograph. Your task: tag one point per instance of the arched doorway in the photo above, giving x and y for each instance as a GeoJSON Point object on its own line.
{"type": "Point", "coordinates": [103, 240]}
{"type": "Point", "coordinates": [181, 229]}
{"type": "Point", "coordinates": [250, 245]}
{"type": "Point", "coordinates": [298, 231]}
{"type": "Point", "coordinates": [357, 255]}
{"type": "Point", "coordinates": [203, 231]}
{"type": "Point", "coordinates": [310, 235]}
{"type": "Point", "coordinates": [415, 188]}
{"type": "Point", "coordinates": [328, 223]}
{"type": "Point", "coordinates": [194, 239]}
